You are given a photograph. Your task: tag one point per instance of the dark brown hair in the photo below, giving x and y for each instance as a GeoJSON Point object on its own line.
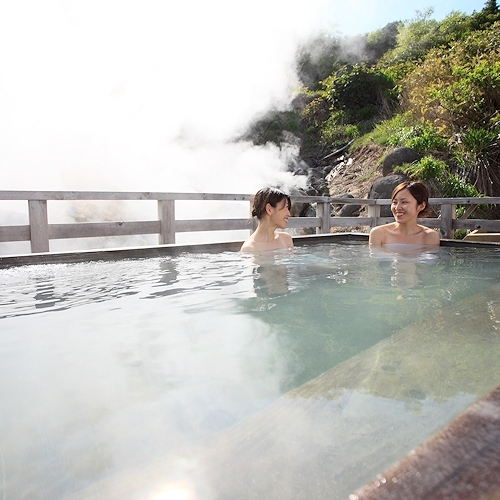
{"type": "Point", "coordinates": [264, 196]}
{"type": "Point", "coordinates": [419, 191]}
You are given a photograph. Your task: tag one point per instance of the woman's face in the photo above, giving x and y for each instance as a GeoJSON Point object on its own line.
{"type": "Point", "coordinates": [405, 207]}
{"type": "Point", "coordinates": [279, 214]}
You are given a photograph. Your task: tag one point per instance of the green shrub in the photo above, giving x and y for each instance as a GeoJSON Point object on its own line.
{"type": "Point", "coordinates": [453, 186]}
{"type": "Point", "coordinates": [428, 168]}
{"type": "Point", "coordinates": [448, 184]}
{"type": "Point", "coordinates": [460, 234]}
{"type": "Point", "coordinates": [404, 131]}
{"type": "Point", "coordinates": [361, 91]}
{"type": "Point", "coordinates": [427, 139]}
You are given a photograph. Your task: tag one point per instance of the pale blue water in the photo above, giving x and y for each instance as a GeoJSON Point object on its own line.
{"type": "Point", "coordinates": [107, 366]}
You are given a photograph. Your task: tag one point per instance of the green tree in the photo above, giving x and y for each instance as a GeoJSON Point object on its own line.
{"type": "Point", "coordinates": [491, 7]}
{"type": "Point", "coordinates": [359, 91]}
{"type": "Point", "coordinates": [380, 41]}
{"type": "Point", "coordinates": [414, 38]}
{"type": "Point", "coordinates": [317, 59]}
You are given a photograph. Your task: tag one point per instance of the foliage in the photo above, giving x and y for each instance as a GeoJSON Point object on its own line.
{"type": "Point", "coordinates": [273, 127]}
{"type": "Point", "coordinates": [317, 59]}
{"type": "Point", "coordinates": [447, 183]}
{"type": "Point", "coordinates": [414, 38]}
{"type": "Point", "coordinates": [348, 104]}
{"type": "Point", "coordinates": [402, 130]}
{"type": "Point", "coordinates": [381, 41]}
{"type": "Point", "coordinates": [336, 132]}
{"type": "Point", "coordinates": [460, 234]}
{"type": "Point", "coordinates": [477, 153]}
{"type": "Point", "coordinates": [360, 91]}
{"type": "Point", "coordinates": [417, 36]}
{"type": "Point", "coordinates": [459, 87]}
{"type": "Point", "coordinates": [491, 7]}
{"type": "Point", "coordinates": [458, 91]}
{"type": "Point", "coordinates": [453, 186]}
{"type": "Point", "coordinates": [486, 17]}
{"type": "Point", "coordinates": [426, 169]}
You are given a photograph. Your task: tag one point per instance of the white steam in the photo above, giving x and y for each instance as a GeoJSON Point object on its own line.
{"type": "Point", "coordinates": [143, 95]}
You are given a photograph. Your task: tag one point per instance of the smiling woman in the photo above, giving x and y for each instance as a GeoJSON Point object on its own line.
{"type": "Point", "coordinates": [409, 201]}
{"type": "Point", "coordinates": [272, 208]}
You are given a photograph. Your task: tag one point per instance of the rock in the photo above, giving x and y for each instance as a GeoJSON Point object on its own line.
{"type": "Point", "coordinates": [347, 210]}
{"type": "Point", "coordinates": [398, 157]}
{"type": "Point", "coordinates": [382, 189]}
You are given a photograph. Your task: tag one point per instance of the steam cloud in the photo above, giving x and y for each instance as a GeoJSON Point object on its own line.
{"type": "Point", "coordinates": [142, 95]}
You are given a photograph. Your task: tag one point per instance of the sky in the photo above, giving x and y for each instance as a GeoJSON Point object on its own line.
{"type": "Point", "coordinates": [140, 95]}
{"type": "Point", "coordinates": [353, 18]}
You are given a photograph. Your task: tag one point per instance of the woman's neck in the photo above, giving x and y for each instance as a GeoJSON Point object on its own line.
{"type": "Point", "coordinates": [264, 232]}
{"type": "Point", "coordinates": [408, 228]}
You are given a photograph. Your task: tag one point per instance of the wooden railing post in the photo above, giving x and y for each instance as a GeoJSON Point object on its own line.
{"type": "Point", "coordinates": [166, 215]}
{"type": "Point", "coordinates": [323, 212]}
{"type": "Point", "coordinates": [374, 213]}
{"type": "Point", "coordinates": [448, 214]}
{"type": "Point", "coordinates": [39, 225]}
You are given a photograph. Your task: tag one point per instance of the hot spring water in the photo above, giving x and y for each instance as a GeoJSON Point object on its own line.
{"type": "Point", "coordinates": [295, 374]}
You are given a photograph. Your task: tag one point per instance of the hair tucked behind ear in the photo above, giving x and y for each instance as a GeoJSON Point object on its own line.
{"type": "Point", "coordinates": [264, 196]}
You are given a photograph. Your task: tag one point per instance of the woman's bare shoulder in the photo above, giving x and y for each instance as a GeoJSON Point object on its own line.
{"type": "Point", "coordinates": [432, 237]}
{"type": "Point", "coordinates": [378, 234]}
{"type": "Point", "coordinates": [248, 245]}
{"type": "Point", "coordinates": [286, 239]}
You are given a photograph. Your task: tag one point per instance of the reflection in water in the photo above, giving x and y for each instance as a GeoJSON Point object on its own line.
{"type": "Point", "coordinates": [404, 260]}
{"type": "Point", "coordinates": [329, 436]}
{"type": "Point", "coordinates": [405, 274]}
{"type": "Point", "coordinates": [270, 275]}
{"type": "Point", "coordinates": [118, 396]}
{"type": "Point", "coordinates": [167, 284]}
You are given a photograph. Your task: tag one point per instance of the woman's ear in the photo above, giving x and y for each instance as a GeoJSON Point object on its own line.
{"type": "Point", "coordinates": [269, 209]}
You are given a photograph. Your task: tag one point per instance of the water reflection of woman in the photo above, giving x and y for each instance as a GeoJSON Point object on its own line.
{"type": "Point", "coordinates": [272, 209]}
{"type": "Point", "coordinates": [404, 260]}
{"type": "Point", "coordinates": [410, 200]}
{"type": "Point", "coordinates": [270, 280]}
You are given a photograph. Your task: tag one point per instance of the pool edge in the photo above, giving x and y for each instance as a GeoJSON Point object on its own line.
{"type": "Point", "coordinates": [461, 461]}
{"type": "Point", "coordinates": [176, 249]}
{"type": "Point", "coordinates": [157, 250]}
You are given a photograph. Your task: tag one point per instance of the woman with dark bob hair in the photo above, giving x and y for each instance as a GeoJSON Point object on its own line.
{"type": "Point", "coordinates": [272, 209]}
{"type": "Point", "coordinates": [410, 200]}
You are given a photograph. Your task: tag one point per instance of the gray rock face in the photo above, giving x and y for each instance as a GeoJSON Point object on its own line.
{"type": "Point", "coordinates": [347, 210]}
{"type": "Point", "coordinates": [383, 188]}
{"type": "Point", "coordinates": [399, 157]}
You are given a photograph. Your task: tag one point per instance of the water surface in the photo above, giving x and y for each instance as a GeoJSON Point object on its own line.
{"type": "Point", "coordinates": [327, 359]}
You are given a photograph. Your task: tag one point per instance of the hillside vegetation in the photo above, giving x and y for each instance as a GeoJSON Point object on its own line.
{"type": "Point", "coordinates": [427, 85]}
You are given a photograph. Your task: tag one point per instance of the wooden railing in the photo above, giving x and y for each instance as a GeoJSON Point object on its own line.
{"type": "Point", "coordinates": [39, 232]}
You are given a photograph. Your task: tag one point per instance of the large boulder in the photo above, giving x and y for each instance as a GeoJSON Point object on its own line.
{"type": "Point", "coordinates": [398, 157]}
{"type": "Point", "coordinates": [382, 189]}
{"type": "Point", "coordinates": [347, 210]}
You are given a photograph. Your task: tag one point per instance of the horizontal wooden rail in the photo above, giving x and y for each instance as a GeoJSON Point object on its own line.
{"type": "Point", "coordinates": [39, 232]}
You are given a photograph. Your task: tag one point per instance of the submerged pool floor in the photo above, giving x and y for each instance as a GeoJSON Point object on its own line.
{"type": "Point", "coordinates": [347, 425]}
{"type": "Point", "coordinates": [462, 461]}
{"type": "Point", "coordinates": [127, 380]}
